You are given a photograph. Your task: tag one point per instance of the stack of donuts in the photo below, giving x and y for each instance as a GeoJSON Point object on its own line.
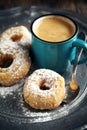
{"type": "Point", "coordinates": [43, 89]}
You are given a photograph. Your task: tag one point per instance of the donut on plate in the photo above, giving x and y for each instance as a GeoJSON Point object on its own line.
{"type": "Point", "coordinates": [44, 89]}
{"type": "Point", "coordinates": [14, 63]}
{"type": "Point", "coordinates": [19, 34]}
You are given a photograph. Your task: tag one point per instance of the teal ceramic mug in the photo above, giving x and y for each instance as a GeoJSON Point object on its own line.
{"type": "Point", "coordinates": [54, 42]}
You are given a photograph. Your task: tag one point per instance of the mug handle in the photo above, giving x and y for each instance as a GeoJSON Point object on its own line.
{"type": "Point", "coordinates": [81, 44]}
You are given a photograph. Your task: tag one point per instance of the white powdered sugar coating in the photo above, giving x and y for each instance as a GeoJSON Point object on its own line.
{"type": "Point", "coordinates": [5, 91]}
{"type": "Point", "coordinates": [16, 32]}
{"type": "Point", "coordinates": [44, 77]}
{"type": "Point", "coordinates": [20, 64]}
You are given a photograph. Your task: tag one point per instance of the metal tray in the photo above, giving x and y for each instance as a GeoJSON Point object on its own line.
{"type": "Point", "coordinates": [14, 112]}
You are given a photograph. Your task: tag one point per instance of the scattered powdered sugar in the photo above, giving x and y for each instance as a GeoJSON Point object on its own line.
{"type": "Point", "coordinates": [5, 91]}
{"type": "Point", "coordinates": [14, 104]}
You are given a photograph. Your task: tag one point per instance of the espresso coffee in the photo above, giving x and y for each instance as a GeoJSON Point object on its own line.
{"type": "Point", "coordinates": [54, 28]}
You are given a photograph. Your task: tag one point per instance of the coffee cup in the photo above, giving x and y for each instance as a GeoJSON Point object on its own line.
{"type": "Point", "coordinates": [54, 42]}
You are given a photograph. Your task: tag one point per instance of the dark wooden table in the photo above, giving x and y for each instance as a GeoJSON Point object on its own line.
{"type": "Point", "coordinates": [79, 6]}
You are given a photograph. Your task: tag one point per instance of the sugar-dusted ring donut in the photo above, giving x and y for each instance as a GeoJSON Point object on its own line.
{"type": "Point", "coordinates": [14, 63]}
{"type": "Point", "coordinates": [44, 89]}
{"type": "Point", "coordinates": [19, 34]}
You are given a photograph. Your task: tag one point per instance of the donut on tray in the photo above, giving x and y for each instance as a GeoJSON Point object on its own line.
{"type": "Point", "coordinates": [19, 34]}
{"type": "Point", "coordinates": [14, 63]}
{"type": "Point", "coordinates": [44, 89]}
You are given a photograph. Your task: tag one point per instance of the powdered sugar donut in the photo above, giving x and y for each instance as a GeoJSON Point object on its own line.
{"type": "Point", "coordinates": [19, 34]}
{"type": "Point", "coordinates": [14, 63]}
{"type": "Point", "coordinates": [44, 89]}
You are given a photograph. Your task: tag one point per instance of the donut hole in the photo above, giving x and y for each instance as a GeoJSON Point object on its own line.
{"type": "Point", "coordinates": [16, 37]}
{"type": "Point", "coordinates": [6, 61]}
{"type": "Point", "coordinates": [43, 86]}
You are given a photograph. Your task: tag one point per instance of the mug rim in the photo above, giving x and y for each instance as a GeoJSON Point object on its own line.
{"type": "Point", "coordinates": [54, 14]}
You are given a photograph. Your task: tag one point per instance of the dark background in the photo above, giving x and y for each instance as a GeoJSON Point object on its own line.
{"type": "Point", "coordinates": [79, 6]}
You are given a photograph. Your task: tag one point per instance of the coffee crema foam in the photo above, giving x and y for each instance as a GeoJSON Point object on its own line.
{"type": "Point", "coordinates": [54, 28]}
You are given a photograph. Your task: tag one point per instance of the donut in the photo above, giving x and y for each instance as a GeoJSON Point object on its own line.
{"type": "Point", "coordinates": [19, 34]}
{"type": "Point", "coordinates": [14, 63]}
{"type": "Point", "coordinates": [44, 89]}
